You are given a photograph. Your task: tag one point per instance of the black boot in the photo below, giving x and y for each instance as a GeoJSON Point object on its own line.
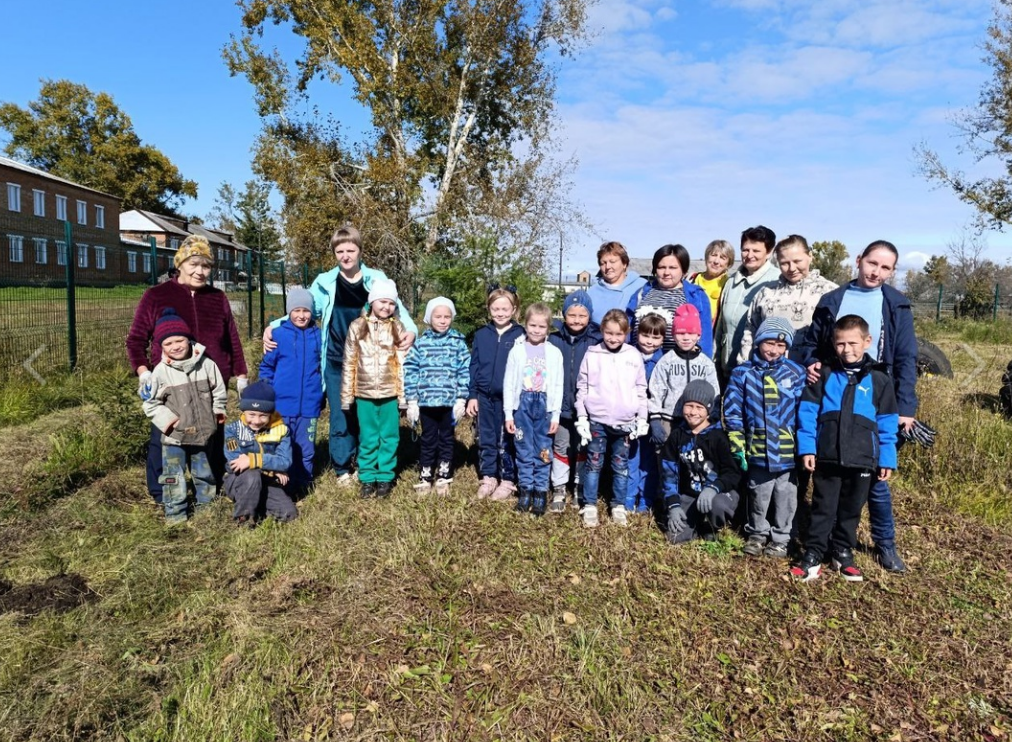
{"type": "Point", "coordinates": [539, 502]}
{"type": "Point", "coordinates": [523, 500]}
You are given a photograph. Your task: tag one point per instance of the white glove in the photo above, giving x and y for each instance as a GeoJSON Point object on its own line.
{"type": "Point", "coordinates": [642, 429]}
{"type": "Point", "coordinates": [458, 410]}
{"type": "Point", "coordinates": [583, 430]}
{"type": "Point", "coordinates": [241, 382]}
{"type": "Point", "coordinates": [144, 386]}
{"type": "Point", "coordinates": [413, 413]}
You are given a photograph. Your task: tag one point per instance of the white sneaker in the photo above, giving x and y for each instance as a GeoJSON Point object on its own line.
{"type": "Point", "coordinates": [618, 515]}
{"type": "Point", "coordinates": [443, 486]}
{"type": "Point", "coordinates": [347, 479]}
{"type": "Point", "coordinates": [590, 516]}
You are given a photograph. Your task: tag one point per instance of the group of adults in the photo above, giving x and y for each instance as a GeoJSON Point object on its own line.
{"type": "Point", "coordinates": [730, 310]}
{"type": "Point", "coordinates": [737, 304]}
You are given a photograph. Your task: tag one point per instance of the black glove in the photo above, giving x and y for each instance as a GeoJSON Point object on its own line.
{"type": "Point", "coordinates": [919, 433]}
{"type": "Point", "coordinates": [657, 434]}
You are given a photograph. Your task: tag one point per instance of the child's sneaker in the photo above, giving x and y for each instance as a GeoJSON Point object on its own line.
{"type": "Point", "coordinates": [888, 559]}
{"type": "Point", "coordinates": [754, 545]}
{"type": "Point", "coordinates": [558, 500]}
{"type": "Point", "coordinates": [443, 486]}
{"type": "Point", "coordinates": [347, 479]}
{"type": "Point", "coordinates": [843, 562]}
{"type": "Point", "coordinates": [618, 515]}
{"type": "Point", "coordinates": [383, 489]}
{"type": "Point", "coordinates": [523, 501]}
{"type": "Point", "coordinates": [775, 551]}
{"type": "Point", "coordinates": [486, 487]}
{"type": "Point", "coordinates": [589, 513]}
{"type": "Point", "coordinates": [539, 502]}
{"type": "Point", "coordinates": [808, 569]}
{"type": "Point", "coordinates": [367, 490]}
{"type": "Point", "coordinates": [424, 480]}
{"type": "Point", "coordinates": [504, 491]}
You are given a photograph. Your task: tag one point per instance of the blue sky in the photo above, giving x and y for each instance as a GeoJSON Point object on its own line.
{"type": "Point", "coordinates": [690, 121]}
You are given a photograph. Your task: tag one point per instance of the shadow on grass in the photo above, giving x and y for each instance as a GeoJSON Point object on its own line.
{"type": "Point", "coordinates": [983, 400]}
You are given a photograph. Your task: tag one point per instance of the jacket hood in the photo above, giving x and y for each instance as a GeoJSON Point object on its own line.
{"type": "Point", "coordinates": [450, 333]}
{"type": "Point", "coordinates": [272, 422]}
{"type": "Point", "coordinates": [592, 330]}
{"type": "Point", "coordinates": [187, 364]}
{"type": "Point", "coordinates": [630, 278]}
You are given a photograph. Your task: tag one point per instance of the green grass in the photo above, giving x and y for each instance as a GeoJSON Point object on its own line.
{"type": "Point", "coordinates": [446, 618]}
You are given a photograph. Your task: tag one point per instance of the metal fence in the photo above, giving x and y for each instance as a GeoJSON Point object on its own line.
{"type": "Point", "coordinates": [68, 293]}
{"type": "Point", "coordinates": [947, 304]}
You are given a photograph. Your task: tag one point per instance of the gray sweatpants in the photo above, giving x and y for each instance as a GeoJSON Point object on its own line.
{"type": "Point", "coordinates": [255, 494]}
{"type": "Point", "coordinates": [568, 457]}
{"type": "Point", "coordinates": [780, 489]}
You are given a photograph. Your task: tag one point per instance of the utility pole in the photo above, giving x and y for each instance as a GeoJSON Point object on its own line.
{"type": "Point", "coordinates": [560, 260]}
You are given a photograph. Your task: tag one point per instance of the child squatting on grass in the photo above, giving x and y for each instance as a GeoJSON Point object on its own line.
{"type": "Point", "coordinates": [532, 404]}
{"type": "Point", "coordinates": [435, 385]}
{"type": "Point", "coordinates": [611, 404]}
{"type": "Point", "coordinates": [847, 429]}
{"type": "Point", "coordinates": [491, 347]}
{"type": "Point", "coordinates": [258, 452]}
{"type": "Point", "coordinates": [760, 413]}
{"type": "Point", "coordinates": [293, 370]}
{"type": "Point", "coordinates": [373, 379]}
{"type": "Point", "coordinates": [187, 403]}
{"type": "Point", "coordinates": [698, 472]}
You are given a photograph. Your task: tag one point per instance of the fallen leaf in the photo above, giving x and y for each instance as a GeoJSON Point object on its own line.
{"type": "Point", "coordinates": [575, 579]}
{"type": "Point", "coordinates": [346, 720]}
{"type": "Point", "coordinates": [486, 668]}
{"type": "Point", "coordinates": [569, 618]}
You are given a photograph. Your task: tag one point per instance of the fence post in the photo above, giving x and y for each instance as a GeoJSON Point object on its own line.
{"type": "Point", "coordinates": [68, 235]}
{"type": "Point", "coordinates": [249, 294]}
{"type": "Point", "coordinates": [994, 308]}
{"type": "Point", "coordinates": [260, 260]}
{"type": "Point", "coordinates": [938, 306]}
{"type": "Point", "coordinates": [154, 260]}
{"type": "Point", "coordinates": [284, 288]}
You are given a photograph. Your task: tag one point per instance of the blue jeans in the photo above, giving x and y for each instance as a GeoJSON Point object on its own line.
{"type": "Point", "coordinates": [644, 479]}
{"type": "Point", "coordinates": [607, 441]}
{"type": "Point", "coordinates": [880, 514]}
{"type": "Point", "coordinates": [175, 460]}
{"type": "Point", "coordinates": [343, 424]}
{"type": "Point", "coordinates": [534, 445]}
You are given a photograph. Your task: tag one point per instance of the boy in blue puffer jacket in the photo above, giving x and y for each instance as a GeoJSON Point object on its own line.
{"type": "Point", "coordinates": [293, 370]}
{"type": "Point", "coordinates": [760, 415]}
{"type": "Point", "coordinates": [436, 377]}
{"type": "Point", "coordinates": [572, 336]}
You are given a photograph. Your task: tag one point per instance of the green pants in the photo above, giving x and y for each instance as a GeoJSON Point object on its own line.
{"type": "Point", "coordinates": [379, 423]}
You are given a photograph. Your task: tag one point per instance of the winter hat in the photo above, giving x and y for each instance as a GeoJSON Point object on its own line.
{"type": "Point", "coordinates": [383, 288]}
{"type": "Point", "coordinates": [193, 246]}
{"type": "Point", "coordinates": [258, 397]}
{"type": "Point", "coordinates": [170, 325]}
{"type": "Point", "coordinates": [774, 328]}
{"type": "Point", "coordinates": [687, 320]}
{"type": "Point", "coordinates": [299, 298]}
{"type": "Point", "coordinates": [439, 301]}
{"type": "Point", "coordinates": [579, 298]}
{"type": "Point", "coordinates": [698, 390]}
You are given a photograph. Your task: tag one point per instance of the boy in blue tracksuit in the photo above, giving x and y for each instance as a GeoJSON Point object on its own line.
{"type": "Point", "coordinates": [760, 416]}
{"type": "Point", "coordinates": [435, 388]}
{"type": "Point", "coordinates": [293, 370]}
{"type": "Point", "coordinates": [643, 472]}
{"type": "Point", "coordinates": [258, 453]}
{"type": "Point", "coordinates": [572, 336]}
{"type": "Point", "coordinates": [847, 430]}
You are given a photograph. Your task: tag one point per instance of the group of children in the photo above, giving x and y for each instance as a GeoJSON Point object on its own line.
{"type": "Point", "coordinates": [553, 405]}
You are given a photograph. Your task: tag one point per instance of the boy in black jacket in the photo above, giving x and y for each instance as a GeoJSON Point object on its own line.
{"type": "Point", "coordinates": [698, 471]}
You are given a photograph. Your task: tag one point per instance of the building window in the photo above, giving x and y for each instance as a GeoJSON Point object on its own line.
{"type": "Point", "coordinates": [82, 256]}
{"type": "Point", "coordinates": [100, 258]}
{"type": "Point", "coordinates": [61, 208]}
{"type": "Point", "coordinates": [13, 197]}
{"type": "Point", "coordinates": [61, 252]}
{"type": "Point", "coordinates": [82, 212]}
{"type": "Point", "coordinates": [131, 262]}
{"type": "Point", "coordinates": [147, 262]}
{"type": "Point", "coordinates": [100, 217]}
{"type": "Point", "coordinates": [16, 247]}
{"type": "Point", "coordinates": [41, 250]}
{"type": "Point", "coordinates": [39, 197]}
{"type": "Point", "coordinates": [174, 243]}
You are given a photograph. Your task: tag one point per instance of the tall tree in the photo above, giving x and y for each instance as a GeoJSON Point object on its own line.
{"type": "Point", "coordinates": [831, 260]}
{"type": "Point", "coordinates": [83, 136]}
{"type": "Point", "coordinates": [249, 217]}
{"type": "Point", "coordinates": [986, 132]}
{"type": "Point", "coordinates": [454, 89]}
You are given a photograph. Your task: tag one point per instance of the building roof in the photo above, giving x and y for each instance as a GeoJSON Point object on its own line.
{"type": "Point", "coordinates": [49, 176]}
{"type": "Point", "coordinates": [139, 220]}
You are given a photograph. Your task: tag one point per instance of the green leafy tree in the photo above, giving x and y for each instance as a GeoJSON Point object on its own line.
{"type": "Point", "coordinates": [454, 89]}
{"type": "Point", "coordinates": [923, 284]}
{"type": "Point", "coordinates": [82, 136]}
{"type": "Point", "coordinates": [831, 260]}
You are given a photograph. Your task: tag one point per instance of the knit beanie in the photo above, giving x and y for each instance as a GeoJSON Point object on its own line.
{"type": "Point", "coordinates": [299, 298]}
{"type": "Point", "coordinates": [698, 390]}
{"type": "Point", "coordinates": [686, 320]}
{"type": "Point", "coordinates": [579, 298]}
{"type": "Point", "coordinates": [170, 325]}
{"type": "Point", "coordinates": [193, 246]}
{"type": "Point", "coordinates": [439, 301]}
{"type": "Point", "coordinates": [258, 397]}
{"type": "Point", "coordinates": [383, 288]}
{"type": "Point", "coordinates": [774, 328]}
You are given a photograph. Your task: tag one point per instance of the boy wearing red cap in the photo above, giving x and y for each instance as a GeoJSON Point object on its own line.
{"type": "Point", "coordinates": [187, 403]}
